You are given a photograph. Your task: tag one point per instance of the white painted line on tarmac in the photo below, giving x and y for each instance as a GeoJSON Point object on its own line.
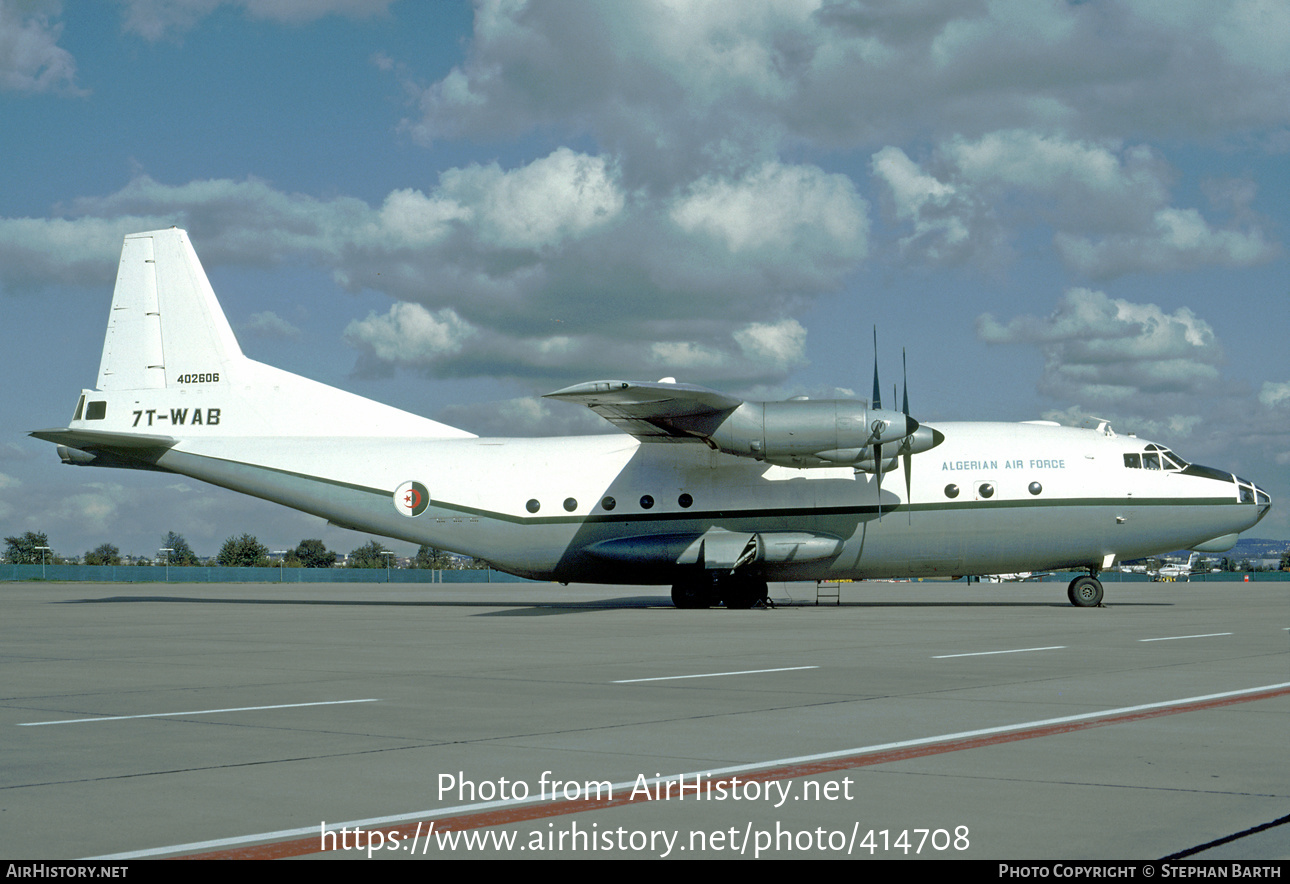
{"type": "Point", "coordinates": [194, 712]}
{"type": "Point", "coordinates": [988, 653]}
{"type": "Point", "coordinates": [782, 767]}
{"type": "Point", "coordinates": [1170, 638]}
{"type": "Point", "coordinates": [712, 674]}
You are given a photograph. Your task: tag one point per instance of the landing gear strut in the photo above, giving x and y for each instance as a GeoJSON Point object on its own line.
{"type": "Point", "coordinates": [1085, 592]}
{"type": "Point", "coordinates": [743, 592]}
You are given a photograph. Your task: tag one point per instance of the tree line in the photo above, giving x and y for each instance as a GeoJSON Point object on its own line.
{"type": "Point", "coordinates": [32, 548]}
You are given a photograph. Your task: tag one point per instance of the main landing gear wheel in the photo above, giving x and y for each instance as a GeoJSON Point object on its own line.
{"type": "Point", "coordinates": [1085, 592]}
{"type": "Point", "coordinates": [691, 594]}
{"type": "Point", "coordinates": [711, 589]}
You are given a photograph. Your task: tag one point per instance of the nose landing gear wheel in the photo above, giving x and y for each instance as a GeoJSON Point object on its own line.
{"type": "Point", "coordinates": [1085, 592]}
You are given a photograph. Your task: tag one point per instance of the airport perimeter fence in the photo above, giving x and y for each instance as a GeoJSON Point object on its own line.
{"type": "Point", "coordinates": [1133, 577]}
{"type": "Point", "coordinates": [218, 574]}
{"type": "Point", "coordinates": [1229, 577]}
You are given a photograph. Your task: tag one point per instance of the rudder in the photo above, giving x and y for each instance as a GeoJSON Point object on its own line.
{"type": "Point", "coordinates": [165, 320]}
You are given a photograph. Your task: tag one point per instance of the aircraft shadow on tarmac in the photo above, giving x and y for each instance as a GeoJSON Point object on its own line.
{"type": "Point", "coordinates": [514, 608]}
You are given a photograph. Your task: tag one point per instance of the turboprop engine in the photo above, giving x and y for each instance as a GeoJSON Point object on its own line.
{"type": "Point", "coordinates": [797, 432]}
{"type": "Point", "coordinates": [821, 433]}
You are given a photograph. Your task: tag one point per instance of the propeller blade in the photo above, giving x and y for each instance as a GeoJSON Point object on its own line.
{"type": "Point", "coordinates": [877, 396]}
{"type": "Point", "coordinates": [907, 460]}
{"type": "Point", "coordinates": [904, 368]}
{"type": "Point", "coordinates": [877, 404]}
{"type": "Point", "coordinates": [877, 475]}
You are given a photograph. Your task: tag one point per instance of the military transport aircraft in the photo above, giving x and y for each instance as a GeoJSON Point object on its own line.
{"type": "Point", "coordinates": [707, 492]}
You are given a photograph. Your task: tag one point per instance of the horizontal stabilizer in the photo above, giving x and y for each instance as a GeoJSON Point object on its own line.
{"type": "Point", "coordinates": [93, 440]}
{"type": "Point", "coordinates": [107, 449]}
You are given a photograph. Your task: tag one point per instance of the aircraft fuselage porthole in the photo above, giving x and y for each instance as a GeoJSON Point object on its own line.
{"type": "Point", "coordinates": [533, 506]}
{"type": "Point", "coordinates": [570, 504]}
{"type": "Point", "coordinates": [608, 503]}
{"type": "Point", "coordinates": [646, 502]}
{"type": "Point", "coordinates": [1036, 488]}
{"type": "Point", "coordinates": [686, 501]}
{"type": "Point", "coordinates": [951, 490]}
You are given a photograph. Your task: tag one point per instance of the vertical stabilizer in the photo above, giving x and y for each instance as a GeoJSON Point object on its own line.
{"type": "Point", "coordinates": [164, 312]}
{"type": "Point", "coordinates": [172, 367]}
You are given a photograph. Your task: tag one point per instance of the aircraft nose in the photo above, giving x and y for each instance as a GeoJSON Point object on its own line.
{"type": "Point", "coordinates": [1262, 500]}
{"type": "Point", "coordinates": [1251, 493]}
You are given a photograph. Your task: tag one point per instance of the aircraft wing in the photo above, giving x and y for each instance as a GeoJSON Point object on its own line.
{"type": "Point", "coordinates": [659, 412]}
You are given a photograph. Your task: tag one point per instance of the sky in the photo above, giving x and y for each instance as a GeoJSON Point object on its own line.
{"type": "Point", "coordinates": [1057, 210]}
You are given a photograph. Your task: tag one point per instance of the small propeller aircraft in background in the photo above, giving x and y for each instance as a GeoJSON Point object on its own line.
{"type": "Point", "coordinates": [1017, 577]}
{"type": "Point", "coordinates": [1178, 571]}
{"type": "Point", "coordinates": [707, 492]}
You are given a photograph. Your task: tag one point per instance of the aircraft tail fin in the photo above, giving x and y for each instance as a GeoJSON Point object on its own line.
{"type": "Point", "coordinates": [172, 367]}
{"type": "Point", "coordinates": [165, 319]}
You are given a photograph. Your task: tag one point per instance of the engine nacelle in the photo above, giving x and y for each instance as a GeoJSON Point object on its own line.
{"type": "Point", "coordinates": [814, 432]}
{"type": "Point", "coordinates": [922, 439]}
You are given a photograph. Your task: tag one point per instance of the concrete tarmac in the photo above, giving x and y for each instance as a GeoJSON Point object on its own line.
{"type": "Point", "coordinates": [934, 720]}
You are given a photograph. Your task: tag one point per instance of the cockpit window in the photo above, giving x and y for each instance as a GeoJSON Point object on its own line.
{"type": "Point", "coordinates": [1156, 457]}
{"type": "Point", "coordinates": [1195, 469]}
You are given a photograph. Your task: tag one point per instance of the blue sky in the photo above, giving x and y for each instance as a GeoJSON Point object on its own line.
{"type": "Point", "coordinates": [1058, 209]}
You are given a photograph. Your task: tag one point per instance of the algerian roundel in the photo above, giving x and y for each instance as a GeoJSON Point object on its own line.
{"type": "Point", "coordinates": [411, 498]}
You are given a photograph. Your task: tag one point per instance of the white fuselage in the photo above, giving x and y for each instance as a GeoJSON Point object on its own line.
{"type": "Point", "coordinates": [1056, 497]}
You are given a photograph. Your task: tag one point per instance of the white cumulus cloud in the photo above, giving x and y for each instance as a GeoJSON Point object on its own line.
{"type": "Point", "coordinates": [562, 195]}
{"type": "Point", "coordinates": [778, 207]}
{"type": "Point", "coordinates": [158, 19]}
{"type": "Point", "coordinates": [780, 344]}
{"type": "Point", "coordinates": [30, 58]}
{"type": "Point", "coordinates": [671, 86]}
{"type": "Point", "coordinates": [1108, 351]}
{"type": "Point", "coordinates": [1107, 204]}
{"type": "Point", "coordinates": [411, 334]}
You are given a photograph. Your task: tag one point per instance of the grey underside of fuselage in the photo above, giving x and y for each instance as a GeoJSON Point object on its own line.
{"type": "Point", "coordinates": [948, 538]}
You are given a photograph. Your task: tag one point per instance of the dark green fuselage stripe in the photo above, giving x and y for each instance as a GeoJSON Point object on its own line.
{"type": "Point", "coordinates": [766, 512]}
